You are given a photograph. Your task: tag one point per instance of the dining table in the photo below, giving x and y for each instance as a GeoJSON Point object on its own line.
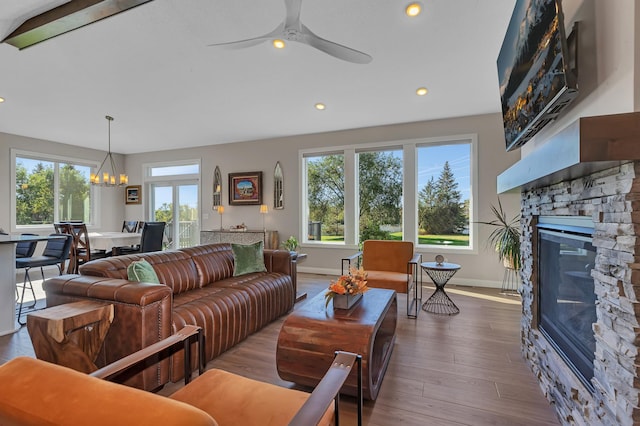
{"type": "Point", "coordinates": [107, 240]}
{"type": "Point", "coordinates": [8, 243]}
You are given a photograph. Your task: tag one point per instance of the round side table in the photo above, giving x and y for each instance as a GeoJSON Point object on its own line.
{"type": "Point", "coordinates": [439, 302]}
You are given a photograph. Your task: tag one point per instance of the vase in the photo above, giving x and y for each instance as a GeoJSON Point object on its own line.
{"type": "Point", "coordinates": [345, 301]}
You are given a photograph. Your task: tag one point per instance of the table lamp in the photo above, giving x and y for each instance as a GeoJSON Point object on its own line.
{"type": "Point", "coordinates": [220, 212]}
{"type": "Point", "coordinates": [263, 211]}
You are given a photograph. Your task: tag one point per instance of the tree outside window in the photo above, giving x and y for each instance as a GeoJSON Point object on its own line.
{"type": "Point", "coordinates": [325, 192]}
{"type": "Point", "coordinates": [380, 195]}
{"type": "Point", "coordinates": [443, 201]}
{"type": "Point", "coordinates": [376, 205]}
{"type": "Point", "coordinates": [36, 184]}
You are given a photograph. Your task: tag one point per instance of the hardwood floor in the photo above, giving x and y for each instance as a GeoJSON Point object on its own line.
{"type": "Point", "coordinates": [460, 370]}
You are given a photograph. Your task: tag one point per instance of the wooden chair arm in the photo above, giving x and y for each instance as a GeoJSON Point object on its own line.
{"type": "Point", "coordinates": [182, 336]}
{"type": "Point", "coordinates": [348, 259]}
{"type": "Point", "coordinates": [328, 390]}
{"type": "Point", "coordinates": [311, 411]}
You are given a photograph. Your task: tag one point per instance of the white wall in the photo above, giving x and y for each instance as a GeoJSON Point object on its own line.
{"type": "Point", "coordinates": [111, 205]}
{"type": "Point", "coordinates": [480, 268]}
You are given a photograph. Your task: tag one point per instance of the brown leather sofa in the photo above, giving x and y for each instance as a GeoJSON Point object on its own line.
{"type": "Point", "coordinates": [198, 289]}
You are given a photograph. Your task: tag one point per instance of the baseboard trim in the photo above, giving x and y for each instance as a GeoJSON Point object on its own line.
{"type": "Point", "coordinates": [467, 282]}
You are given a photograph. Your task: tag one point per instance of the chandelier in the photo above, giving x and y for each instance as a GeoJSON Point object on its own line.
{"type": "Point", "coordinates": [102, 177]}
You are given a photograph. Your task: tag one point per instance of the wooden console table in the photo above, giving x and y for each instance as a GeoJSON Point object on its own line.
{"type": "Point", "coordinates": [70, 334]}
{"type": "Point", "coordinates": [312, 333]}
{"type": "Point", "coordinates": [270, 238]}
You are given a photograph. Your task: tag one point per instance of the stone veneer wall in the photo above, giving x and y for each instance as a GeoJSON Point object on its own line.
{"type": "Point", "coordinates": [612, 199]}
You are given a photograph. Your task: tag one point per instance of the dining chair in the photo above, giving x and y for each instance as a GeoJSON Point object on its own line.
{"type": "Point", "coordinates": [150, 240]}
{"type": "Point", "coordinates": [140, 226]}
{"type": "Point", "coordinates": [81, 248]}
{"type": "Point", "coordinates": [62, 228]}
{"type": "Point", "coordinates": [26, 249]}
{"type": "Point", "coordinates": [56, 253]}
{"type": "Point", "coordinates": [65, 228]}
{"type": "Point", "coordinates": [130, 226]}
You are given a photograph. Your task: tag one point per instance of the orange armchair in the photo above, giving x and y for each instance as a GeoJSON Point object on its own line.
{"type": "Point", "coordinates": [393, 265]}
{"type": "Point", "coordinates": [36, 392]}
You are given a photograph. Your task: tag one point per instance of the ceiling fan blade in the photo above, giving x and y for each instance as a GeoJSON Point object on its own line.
{"type": "Point", "coordinates": [334, 49]}
{"type": "Point", "coordinates": [240, 44]}
{"type": "Point", "coordinates": [293, 14]}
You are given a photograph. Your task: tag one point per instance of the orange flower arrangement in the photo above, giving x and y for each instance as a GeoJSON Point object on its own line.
{"type": "Point", "coordinates": [351, 284]}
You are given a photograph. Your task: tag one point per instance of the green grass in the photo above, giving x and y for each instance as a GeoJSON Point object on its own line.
{"type": "Point", "coordinates": [438, 240]}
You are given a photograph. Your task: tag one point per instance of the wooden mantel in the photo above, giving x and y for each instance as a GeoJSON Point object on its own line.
{"type": "Point", "coordinates": [588, 145]}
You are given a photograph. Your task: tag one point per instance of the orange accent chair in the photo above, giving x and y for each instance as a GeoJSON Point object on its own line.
{"type": "Point", "coordinates": [36, 392]}
{"type": "Point", "coordinates": [393, 265]}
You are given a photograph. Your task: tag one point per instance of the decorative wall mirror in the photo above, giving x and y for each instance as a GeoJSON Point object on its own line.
{"type": "Point", "coordinates": [217, 188]}
{"type": "Point", "coordinates": [278, 188]}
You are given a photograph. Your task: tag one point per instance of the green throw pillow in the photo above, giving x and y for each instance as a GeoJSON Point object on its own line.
{"type": "Point", "coordinates": [142, 271]}
{"type": "Point", "coordinates": [248, 258]}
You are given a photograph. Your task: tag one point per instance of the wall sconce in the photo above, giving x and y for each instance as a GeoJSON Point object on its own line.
{"type": "Point", "coordinates": [220, 212]}
{"type": "Point", "coordinates": [263, 211]}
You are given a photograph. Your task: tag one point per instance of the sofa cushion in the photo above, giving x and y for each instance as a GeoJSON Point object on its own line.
{"type": "Point", "coordinates": [271, 295]}
{"type": "Point", "coordinates": [223, 396]}
{"type": "Point", "coordinates": [384, 279]}
{"type": "Point", "coordinates": [142, 271]}
{"type": "Point", "coordinates": [214, 262]}
{"type": "Point", "coordinates": [173, 267]}
{"type": "Point", "coordinates": [248, 258]}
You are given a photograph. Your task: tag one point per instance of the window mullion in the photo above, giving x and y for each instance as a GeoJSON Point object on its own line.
{"type": "Point", "coordinates": [56, 192]}
{"type": "Point", "coordinates": [409, 194]}
{"type": "Point", "coordinates": [351, 198]}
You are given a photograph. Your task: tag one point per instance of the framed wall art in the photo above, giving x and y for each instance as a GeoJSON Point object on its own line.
{"type": "Point", "coordinates": [245, 189]}
{"type": "Point", "coordinates": [133, 194]}
{"type": "Point", "coordinates": [278, 188]}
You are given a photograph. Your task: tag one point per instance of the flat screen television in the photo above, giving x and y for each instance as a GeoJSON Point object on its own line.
{"type": "Point", "coordinates": [536, 81]}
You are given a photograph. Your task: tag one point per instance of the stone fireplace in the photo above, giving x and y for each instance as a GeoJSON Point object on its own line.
{"type": "Point", "coordinates": [603, 184]}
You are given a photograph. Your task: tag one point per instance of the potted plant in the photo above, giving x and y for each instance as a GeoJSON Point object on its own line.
{"type": "Point", "coordinates": [290, 243]}
{"type": "Point", "coordinates": [505, 238]}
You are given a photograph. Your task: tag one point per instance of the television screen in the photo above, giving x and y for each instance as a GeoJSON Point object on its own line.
{"type": "Point", "coordinates": [535, 82]}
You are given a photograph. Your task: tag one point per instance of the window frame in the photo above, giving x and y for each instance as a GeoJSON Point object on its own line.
{"type": "Point", "coordinates": [410, 228]}
{"type": "Point", "coordinates": [94, 205]}
{"type": "Point", "coordinates": [171, 180]}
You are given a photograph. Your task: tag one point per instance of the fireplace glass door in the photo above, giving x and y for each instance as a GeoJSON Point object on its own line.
{"type": "Point", "coordinates": [566, 294]}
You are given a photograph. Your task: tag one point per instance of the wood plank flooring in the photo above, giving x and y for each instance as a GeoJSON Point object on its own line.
{"type": "Point", "coordinates": [445, 370]}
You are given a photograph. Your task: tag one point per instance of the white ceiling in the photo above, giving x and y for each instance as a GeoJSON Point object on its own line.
{"type": "Point", "coordinates": [151, 69]}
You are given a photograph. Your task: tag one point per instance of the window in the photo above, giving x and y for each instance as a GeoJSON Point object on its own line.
{"type": "Point", "coordinates": [419, 190]}
{"type": "Point", "coordinates": [174, 190]}
{"type": "Point", "coordinates": [380, 195]}
{"type": "Point", "coordinates": [49, 190]}
{"type": "Point", "coordinates": [325, 198]}
{"type": "Point", "coordinates": [444, 194]}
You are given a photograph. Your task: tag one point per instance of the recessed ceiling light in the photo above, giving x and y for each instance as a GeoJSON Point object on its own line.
{"type": "Point", "coordinates": [320, 106]}
{"type": "Point", "coordinates": [413, 9]}
{"type": "Point", "coordinates": [1, 100]}
{"type": "Point", "coordinates": [278, 44]}
{"type": "Point", "coordinates": [421, 91]}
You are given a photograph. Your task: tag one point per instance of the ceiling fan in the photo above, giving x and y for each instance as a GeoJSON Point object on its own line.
{"type": "Point", "coordinates": [292, 29]}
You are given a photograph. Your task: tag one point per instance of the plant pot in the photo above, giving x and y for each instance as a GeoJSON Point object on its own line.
{"type": "Point", "coordinates": [509, 263]}
{"type": "Point", "coordinates": [345, 301]}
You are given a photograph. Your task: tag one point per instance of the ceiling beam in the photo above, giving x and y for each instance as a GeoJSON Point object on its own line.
{"type": "Point", "coordinates": [66, 17]}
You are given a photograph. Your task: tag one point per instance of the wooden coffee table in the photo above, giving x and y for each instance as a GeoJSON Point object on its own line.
{"type": "Point", "coordinates": [312, 333]}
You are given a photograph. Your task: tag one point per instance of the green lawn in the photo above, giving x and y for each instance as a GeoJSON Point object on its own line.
{"type": "Point", "coordinates": [441, 240]}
